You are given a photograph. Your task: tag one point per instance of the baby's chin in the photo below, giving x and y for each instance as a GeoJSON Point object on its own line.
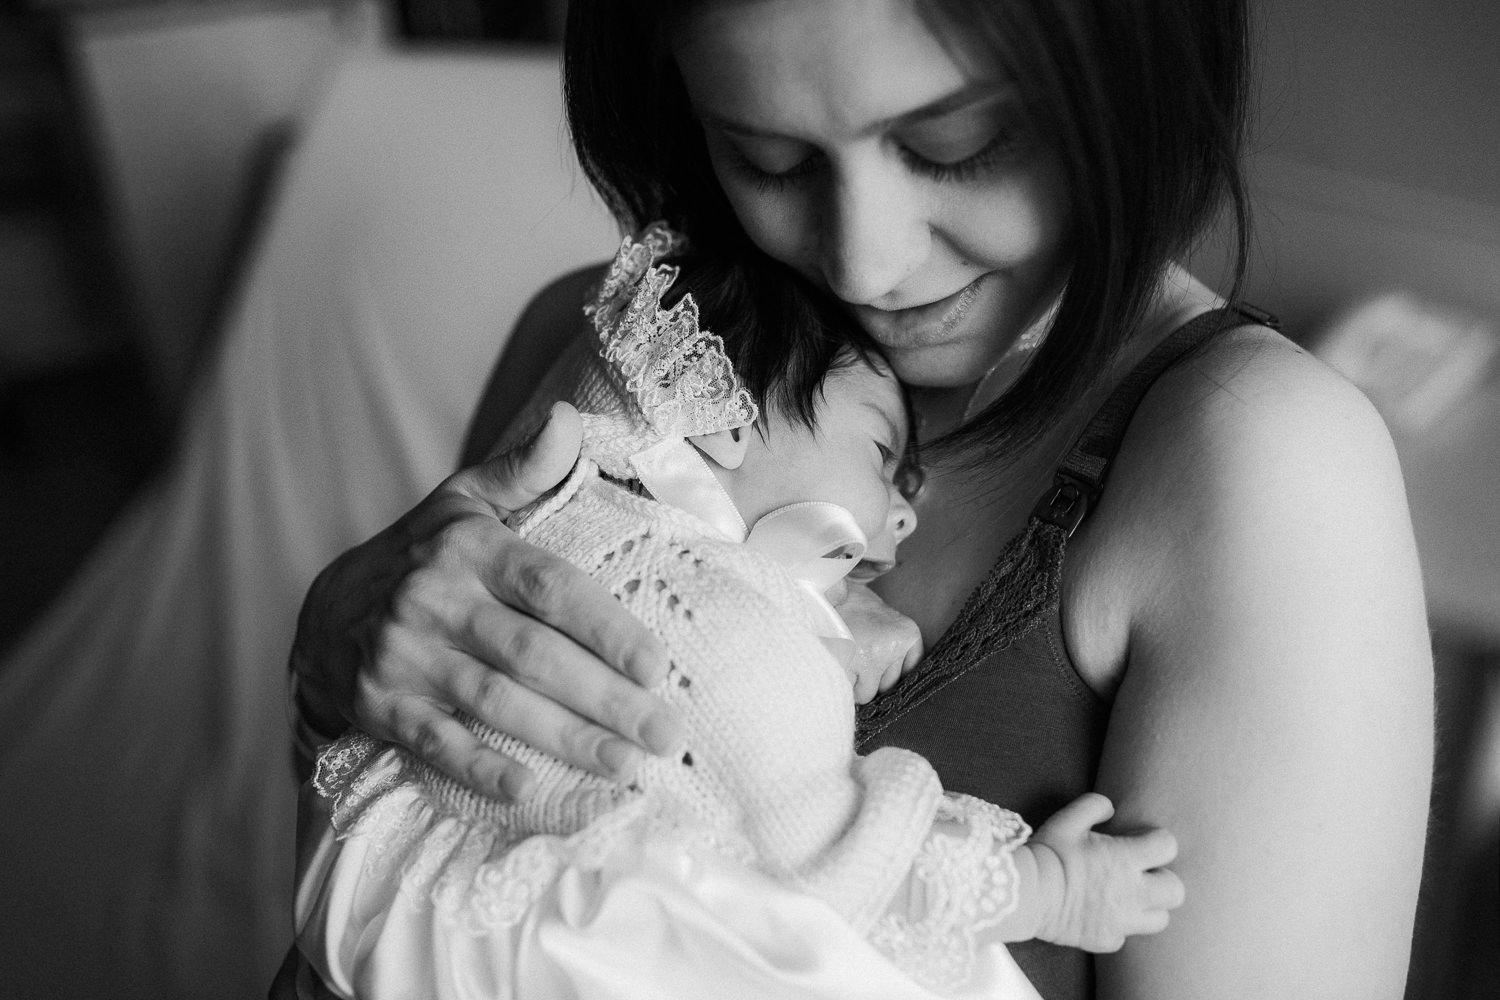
{"type": "Point", "coordinates": [838, 593]}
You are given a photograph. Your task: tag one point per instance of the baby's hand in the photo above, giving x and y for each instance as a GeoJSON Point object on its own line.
{"type": "Point", "coordinates": [887, 643]}
{"type": "Point", "coordinates": [1112, 886]}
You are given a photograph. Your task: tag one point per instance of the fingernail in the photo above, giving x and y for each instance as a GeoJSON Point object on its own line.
{"type": "Point", "coordinates": [663, 733]}
{"type": "Point", "coordinates": [651, 666]}
{"type": "Point", "coordinates": [619, 758]}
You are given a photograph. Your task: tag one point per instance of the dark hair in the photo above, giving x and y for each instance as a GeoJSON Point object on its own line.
{"type": "Point", "coordinates": [758, 314]}
{"type": "Point", "coordinates": [1142, 101]}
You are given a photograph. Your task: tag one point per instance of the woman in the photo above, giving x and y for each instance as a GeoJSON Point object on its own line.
{"type": "Point", "coordinates": [1229, 640]}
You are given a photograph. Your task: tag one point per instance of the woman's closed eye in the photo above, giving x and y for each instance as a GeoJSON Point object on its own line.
{"type": "Point", "coordinates": [999, 150]}
{"type": "Point", "coordinates": [945, 162]}
{"type": "Point", "coordinates": [768, 162]}
{"type": "Point", "coordinates": [776, 180]}
{"type": "Point", "coordinates": [967, 143]}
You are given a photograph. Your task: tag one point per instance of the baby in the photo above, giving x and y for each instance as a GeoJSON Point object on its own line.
{"type": "Point", "coordinates": [766, 859]}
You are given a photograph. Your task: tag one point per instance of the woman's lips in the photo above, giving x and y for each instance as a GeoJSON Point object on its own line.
{"type": "Point", "coordinates": [902, 327]}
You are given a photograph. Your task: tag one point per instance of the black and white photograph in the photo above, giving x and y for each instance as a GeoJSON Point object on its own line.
{"type": "Point", "coordinates": [735, 499]}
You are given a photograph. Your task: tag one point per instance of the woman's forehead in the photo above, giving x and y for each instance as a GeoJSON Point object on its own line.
{"type": "Point", "coordinates": [819, 69]}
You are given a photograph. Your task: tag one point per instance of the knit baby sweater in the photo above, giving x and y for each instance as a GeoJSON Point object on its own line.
{"type": "Point", "coordinates": [768, 774]}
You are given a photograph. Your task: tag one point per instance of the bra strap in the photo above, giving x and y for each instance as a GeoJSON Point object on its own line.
{"type": "Point", "coordinates": [1080, 478]}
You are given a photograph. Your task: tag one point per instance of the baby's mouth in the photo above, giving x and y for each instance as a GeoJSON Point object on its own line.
{"type": "Point", "coordinates": [870, 569]}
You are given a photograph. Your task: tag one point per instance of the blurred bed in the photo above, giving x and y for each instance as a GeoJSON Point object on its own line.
{"type": "Point", "coordinates": [145, 771]}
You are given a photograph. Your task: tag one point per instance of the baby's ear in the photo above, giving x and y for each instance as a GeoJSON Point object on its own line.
{"type": "Point", "coordinates": [725, 447]}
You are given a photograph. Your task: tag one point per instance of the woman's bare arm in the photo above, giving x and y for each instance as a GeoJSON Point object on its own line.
{"type": "Point", "coordinates": [1274, 708]}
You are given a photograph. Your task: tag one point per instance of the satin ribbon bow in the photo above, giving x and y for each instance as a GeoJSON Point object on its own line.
{"type": "Point", "coordinates": [818, 543]}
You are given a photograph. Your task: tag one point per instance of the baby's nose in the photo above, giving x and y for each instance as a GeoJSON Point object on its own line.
{"type": "Point", "coordinates": [902, 517]}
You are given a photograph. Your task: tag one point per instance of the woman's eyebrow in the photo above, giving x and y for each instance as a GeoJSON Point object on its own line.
{"type": "Point", "coordinates": [976, 92]}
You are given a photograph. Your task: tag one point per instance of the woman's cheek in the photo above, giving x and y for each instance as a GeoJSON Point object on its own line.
{"type": "Point", "coordinates": [1021, 219]}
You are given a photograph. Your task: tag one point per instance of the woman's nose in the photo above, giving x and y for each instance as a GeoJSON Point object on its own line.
{"type": "Point", "coordinates": [873, 234]}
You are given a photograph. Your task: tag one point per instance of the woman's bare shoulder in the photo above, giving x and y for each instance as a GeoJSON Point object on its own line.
{"type": "Point", "coordinates": [1256, 439]}
{"type": "Point", "coordinates": [1250, 469]}
{"type": "Point", "coordinates": [549, 324]}
{"type": "Point", "coordinates": [1256, 416]}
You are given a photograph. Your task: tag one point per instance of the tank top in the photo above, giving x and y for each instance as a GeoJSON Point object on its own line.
{"type": "Point", "coordinates": [997, 705]}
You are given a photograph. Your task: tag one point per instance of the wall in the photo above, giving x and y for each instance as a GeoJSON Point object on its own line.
{"type": "Point", "coordinates": [1373, 158]}
{"type": "Point", "coordinates": [1397, 90]}
{"type": "Point", "coordinates": [180, 97]}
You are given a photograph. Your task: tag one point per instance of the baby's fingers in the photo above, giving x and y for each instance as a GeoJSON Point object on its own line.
{"type": "Point", "coordinates": [1163, 891]}
{"type": "Point", "coordinates": [1149, 922]}
{"type": "Point", "coordinates": [1154, 848]}
{"type": "Point", "coordinates": [1078, 817]}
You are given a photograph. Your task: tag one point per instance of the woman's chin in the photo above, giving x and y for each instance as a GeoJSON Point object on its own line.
{"type": "Point", "coordinates": [937, 366]}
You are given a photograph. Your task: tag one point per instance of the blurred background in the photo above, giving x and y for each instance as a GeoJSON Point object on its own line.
{"type": "Point", "coordinates": [138, 141]}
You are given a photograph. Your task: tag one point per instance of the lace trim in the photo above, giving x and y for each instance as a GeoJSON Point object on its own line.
{"type": "Point", "coordinates": [682, 381]}
{"type": "Point", "coordinates": [1021, 589]}
{"type": "Point", "coordinates": [478, 876]}
{"type": "Point", "coordinates": [960, 888]}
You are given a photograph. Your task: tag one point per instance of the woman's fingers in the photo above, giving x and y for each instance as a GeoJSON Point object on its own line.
{"type": "Point", "coordinates": [535, 683]}
{"type": "Point", "coordinates": [552, 591]}
{"type": "Point", "coordinates": [545, 587]}
{"type": "Point", "coordinates": [448, 745]}
{"type": "Point", "coordinates": [481, 625]}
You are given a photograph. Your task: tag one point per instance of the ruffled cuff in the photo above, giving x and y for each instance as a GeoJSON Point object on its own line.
{"type": "Point", "coordinates": [963, 883]}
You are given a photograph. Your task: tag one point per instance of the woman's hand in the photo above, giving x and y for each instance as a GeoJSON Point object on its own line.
{"type": "Point", "coordinates": [449, 610]}
{"type": "Point", "coordinates": [887, 643]}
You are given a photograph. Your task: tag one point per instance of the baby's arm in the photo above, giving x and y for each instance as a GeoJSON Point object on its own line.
{"type": "Point", "coordinates": [1086, 889]}
{"type": "Point", "coordinates": [978, 883]}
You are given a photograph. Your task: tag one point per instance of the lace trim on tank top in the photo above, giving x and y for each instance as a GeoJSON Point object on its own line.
{"type": "Point", "coordinates": [1025, 583]}
{"type": "Point", "coordinates": [1014, 598]}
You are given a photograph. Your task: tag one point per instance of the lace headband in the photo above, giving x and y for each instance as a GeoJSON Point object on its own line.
{"type": "Point", "coordinates": [677, 375]}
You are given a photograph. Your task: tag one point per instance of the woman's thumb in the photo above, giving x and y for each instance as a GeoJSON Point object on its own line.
{"type": "Point", "coordinates": [515, 478]}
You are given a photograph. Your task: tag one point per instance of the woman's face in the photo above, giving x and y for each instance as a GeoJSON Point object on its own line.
{"type": "Point", "coordinates": [855, 149]}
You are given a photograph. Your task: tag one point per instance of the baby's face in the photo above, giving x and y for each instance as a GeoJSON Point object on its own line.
{"type": "Point", "coordinates": [850, 458]}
